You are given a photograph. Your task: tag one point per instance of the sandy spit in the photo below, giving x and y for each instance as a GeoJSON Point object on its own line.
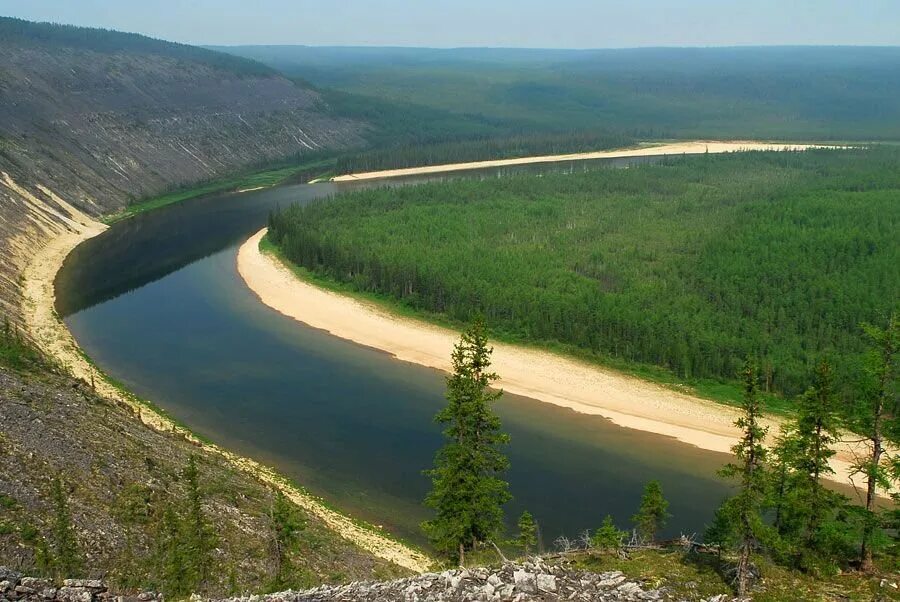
{"type": "Point", "coordinates": [676, 148]}
{"type": "Point", "coordinates": [54, 338]}
{"type": "Point", "coordinates": [541, 375]}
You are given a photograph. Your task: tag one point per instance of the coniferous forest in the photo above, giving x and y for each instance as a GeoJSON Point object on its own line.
{"type": "Point", "coordinates": [693, 264]}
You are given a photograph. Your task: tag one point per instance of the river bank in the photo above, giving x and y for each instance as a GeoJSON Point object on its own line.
{"type": "Point", "coordinates": [52, 336]}
{"type": "Point", "coordinates": [675, 148]}
{"type": "Point", "coordinates": [545, 376]}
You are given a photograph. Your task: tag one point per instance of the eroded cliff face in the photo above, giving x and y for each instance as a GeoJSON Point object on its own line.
{"type": "Point", "coordinates": [84, 132]}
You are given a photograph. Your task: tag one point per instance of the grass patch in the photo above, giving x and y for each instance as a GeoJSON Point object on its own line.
{"type": "Point", "coordinates": [319, 168]}
{"type": "Point", "coordinates": [699, 576]}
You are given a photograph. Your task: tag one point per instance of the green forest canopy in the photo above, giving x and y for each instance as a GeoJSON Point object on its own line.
{"type": "Point", "coordinates": [691, 265]}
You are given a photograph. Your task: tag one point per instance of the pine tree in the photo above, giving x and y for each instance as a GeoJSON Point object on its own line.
{"type": "Point", "coordinates": [608, 536]}
{"type": "Point", "coordinates": [722, 531]}
{"type": "Point", "coordinates": [653, 512]}
{"type": "Point", "coordinates": [199, 538]}
{"type": "Point", "coordinates": [527, 538]}
{"type": "Point", "coordinates": [877, 420]}
{"type": "Point", "coordinates": [66, 559]}
{"type": "Point", "coordinates": [171, 563]}
{"type": "Point", "coordinates": [817, 430]}
{"type": "Point", "coordinates": [751, 455]}
{"type": "Point", "coordinates": [467, 492]}
{"type": "Point", "coordinates": [286, 523]}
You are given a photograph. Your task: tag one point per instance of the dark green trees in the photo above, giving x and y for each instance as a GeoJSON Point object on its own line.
{"type": "Point", "coordinates": [527, 538]}
{"type": "Point", "coordinates": [467, 491]}
{"type": "Point", "coordinates": [608, 537]}
{"type": "Point", "coordinates": [184, 540]}
{"type": "Point", "coordinates": [66, 559]}
{"type": "Point", "coordinates": [286, 523]}
{"type": "Point", "coordinates": [652, 513]}
{"type": "Point", "coordinates": [746, 506]}
{"type": "Point", "coordinates": [802, 503]}
{"type": "Point", "coordinates": [877, 420]}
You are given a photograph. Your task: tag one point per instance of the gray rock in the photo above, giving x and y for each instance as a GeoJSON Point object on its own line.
{"type": "Point", "coordinates": [524, 581]}
{"type": "Point", "coordinates": [546, 583]}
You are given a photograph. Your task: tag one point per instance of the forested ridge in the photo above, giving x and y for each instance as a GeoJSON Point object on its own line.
{"type": "Point", "coordinates": [811, 93]}
{"type": "Point", "coordinates": [692, 264]}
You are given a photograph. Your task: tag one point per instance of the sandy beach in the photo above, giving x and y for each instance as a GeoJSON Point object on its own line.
{"type": "Point", "coordinates": [676, 148]}
{"type": "Point", "coordinates": [541, 375]}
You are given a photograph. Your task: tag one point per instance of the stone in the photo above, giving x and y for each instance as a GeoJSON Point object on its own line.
{"type": "Point", "coordinates": [74, 594]}
{"type": "Point", "coordinates": [495, 580]}
{"type": "Point", "coordinates": [524, 581]}
{"type": "Point", "coordinates": [612, 580]}
{"type": "Point", "coordinates": [546, 583]}
{"type": "Point", "coordinates": [629, 588]}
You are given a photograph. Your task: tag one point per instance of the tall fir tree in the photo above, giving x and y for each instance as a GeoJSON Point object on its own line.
{"type": "Point", "coordinates": [653, 512]}
{"type": "Point", "coordinates": [199, 537]}
{"type": "Point", "coordinates": [746, 506]}
{"type": "Point", "coordinates": [817, 430]}
{"type": "Point", "coordinates": [527, 538]}
{"type": "Point", "coordinates": [67, 559]}
{"type": "Point", "coordinates": [468, 492]}
{"type": "Point", "coordinates": [877, 420]}
{"type": "Point", "coordinates": [287, 522]}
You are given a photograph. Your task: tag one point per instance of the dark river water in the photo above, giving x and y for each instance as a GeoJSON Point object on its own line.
{"type": "Point", "coordinates": [157, 302]}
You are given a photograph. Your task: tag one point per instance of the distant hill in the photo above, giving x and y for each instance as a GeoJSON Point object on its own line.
{"type": "Point", "coordinates": [758, 92]}
{"type": "Point", "coordinates": [100, 118]}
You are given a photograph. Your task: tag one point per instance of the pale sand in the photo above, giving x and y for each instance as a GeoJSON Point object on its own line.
{"type": "Point", "coordinates": [541, 375]}
{"type": "Point", "coordinates": [55, 339]}
{"type": "Point", "coordinates": [676, 148]}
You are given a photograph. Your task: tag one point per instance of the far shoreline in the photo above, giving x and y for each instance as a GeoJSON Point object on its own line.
{"type": "Point", "coordinates": [694, 147]}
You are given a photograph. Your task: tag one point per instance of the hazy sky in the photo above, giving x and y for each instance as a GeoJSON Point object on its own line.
{"type": "Point", "coordinates": [523, 23]}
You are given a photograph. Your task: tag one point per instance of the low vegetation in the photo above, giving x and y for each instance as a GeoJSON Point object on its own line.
{"type": "Point", "coordinates": [302, 169]}
{"type": "Point", "coordinates": [689, 266]}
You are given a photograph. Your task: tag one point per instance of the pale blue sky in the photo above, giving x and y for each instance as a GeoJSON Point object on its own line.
{"type": "Point", "coordinates": [510, 23]}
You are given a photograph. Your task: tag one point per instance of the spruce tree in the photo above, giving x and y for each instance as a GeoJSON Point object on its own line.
{"type": "Point", "coordinates": [527, 538]}
{"type": "Point", "coordinates": [170, 558]}
{"type": "Point", "coordinates": [653, 512]}
{"type": "Point", "coordinates": [467, 491]}
{"type": "Point", "coordinates": [817, 430]}
{"type": "Point", "coordinates": [608, 536]}
{"type": "Point", "coordinates": [877, 420]}
{"type": "Point", "coordinates": [199, 538]}
{"type": "Point", "coordinates": [286, 523]}
{"type": "Point", "coordinates": [746, 506]}
{"type": "Point", "coordinates": [66, 558]}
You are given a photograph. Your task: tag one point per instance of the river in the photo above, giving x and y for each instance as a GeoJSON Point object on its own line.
{"type": "Point", "coordinates": [156, 301]}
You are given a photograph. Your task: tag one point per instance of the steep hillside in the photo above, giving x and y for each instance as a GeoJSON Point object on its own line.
{"type": "Point", "coordinates": [92, 484]}
{"type": "Point", "coordinates": [91, 120]}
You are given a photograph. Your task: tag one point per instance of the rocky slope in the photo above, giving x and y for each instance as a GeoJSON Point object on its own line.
{"type": "Point", "coordinates": [91, 120]}
{"type": "Point", "coordinates": [524, 582]}
{"type": "Point", "coordinates": [119, 476]}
